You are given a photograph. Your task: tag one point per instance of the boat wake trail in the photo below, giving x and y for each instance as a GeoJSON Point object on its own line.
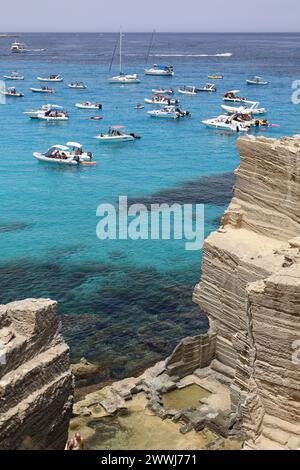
{"type": "Point", "coordinates": [225, 54]}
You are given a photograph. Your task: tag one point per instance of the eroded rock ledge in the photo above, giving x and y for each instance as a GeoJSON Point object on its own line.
{"type": "Point", "coordinates": [250, 290]}
{"type": "Point", "coordinates": [36, 384]}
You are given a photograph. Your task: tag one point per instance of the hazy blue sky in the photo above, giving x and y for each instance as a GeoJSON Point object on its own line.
{"type": "Point", "coordinates": [144, 15]}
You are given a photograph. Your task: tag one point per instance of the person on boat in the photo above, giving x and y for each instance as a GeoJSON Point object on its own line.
{"type": "Point", "coordinates": [76, 443]}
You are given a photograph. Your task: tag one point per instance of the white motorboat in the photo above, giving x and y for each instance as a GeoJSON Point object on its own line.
{"type": "Point", "coordinates": [209, 88]}
{"type": "Point", "coordinates": [163, 91]}
{"type": "Point", "coordinates": [51, 78]}
{"type": "Point", "coordinates": [227, 123]}
{"type": "Point", "coordinates": [12, 92]}
{"type": "Point", "coordinates": [48, 112]}
{"type": "Point", "coordinates": [160, 70]}
{"type": "Point", "coordinates": [231, 96]}
{"type": "Point", "coordinates": [162, 100]}
{"type": "Point", "coordinates": [169, 112]}
{"type": "Point", "coordinates": [43, 89]}
{"type": "Point", "coordinates": [77, 85]}
{"type": "Point", "coordinates": [257, 81]}
{"type": "Point", "coordinates": [139, 106]}
{"type": "Point", "coordinates": [188, 90]}
{"type": "Point", "coordinates": [122, 78]}
{"type": "Point", "coordinates": [14, 76]}
{"type": "Point", "coordinates": [18, 47]}
{"type": "Point", "coordinates": [115, 134]}
{"type": "Point", "coordinates": [70, 154]}
{"type": "Point", "coordinates": [88, 105]}
{"type": "Point", "coordinates": [254, 109]}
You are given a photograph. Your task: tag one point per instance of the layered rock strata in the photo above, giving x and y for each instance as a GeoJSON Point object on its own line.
{"type": "Point", "coordinates": [250, 290]}
{"type": "Point", "coordinates": [36, 384]}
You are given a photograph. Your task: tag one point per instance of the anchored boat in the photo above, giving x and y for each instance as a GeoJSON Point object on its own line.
{"type": "Point", "coordinates": [70, 154]}
{"type": "Point", "coordinates": [163, 91]}
{"type": "Point", "coordinates": [48, 112]}
{"type": "Point", "coordinates": [51, 78]}
{"type": "Point", "coordinates": [12, 92]}
{"type": "Point", "coordinates": [160, 70]}
{"type": "Point", "coordinates": [14, 76]}
{"type": "Point", "coordinates": [254, 109]}
{"type": "Point", "coordinates": [188, 90]}
{"type": "Point", "coordinates": [43, 89]}
{"type": "Point", "coordinates": [122, 78]}
{"type": "Point", "coordinates": [88, 105]}
{"type": "Point", "coordinates": [159, 99]}
{"type": "Point", "coordinates": [115, 134]}
{"type": "Point", "coordinates": [232, 97]}
{"type": "Point", "coordinates": [77, 85]}
{"type": "Point", "coordinates": [169, 112]}
{"type": "Point", "coordinates": [209, 88]}
{"type": "Point", "coordinates": [216, 76]}
{"type": "Point", "coordinates": [257, 81]}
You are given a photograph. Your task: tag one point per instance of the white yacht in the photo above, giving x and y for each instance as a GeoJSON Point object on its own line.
{"type": "Point", "coordinates": [228, 123]}
{"type": "Point", "coordinates": [18, 47]}
{"type": "Point", "coordinates": [48, 112]}
{"type": "Point", "coordinates": [188, 90]}
{"type": "Point", "coordinates": [122, 78]}
{"type": "Point", "coordinates": [160, 70]}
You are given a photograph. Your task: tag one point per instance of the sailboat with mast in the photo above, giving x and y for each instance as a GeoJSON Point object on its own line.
{"type": "Point", "coordinates": [122, 78]}
{"type": "Point", "coordinates": [156, 69]}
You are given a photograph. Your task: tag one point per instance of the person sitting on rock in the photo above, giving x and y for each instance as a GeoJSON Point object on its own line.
{"type": "Point", "coordinates": [76, 443]}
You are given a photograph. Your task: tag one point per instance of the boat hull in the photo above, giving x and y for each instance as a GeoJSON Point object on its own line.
{"type": "Point", "coordinates": [159, 73]}
{"type": "Point", "coordinates": [55, 80]}
{"type": "Point", "coordinates": [42, 158]}
{"type": "Point", "coordinates": [115, 139]}
{"type": "Point", "coordinates": [39, 90]}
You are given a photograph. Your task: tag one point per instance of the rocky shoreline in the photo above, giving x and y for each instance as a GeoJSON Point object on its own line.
{"type": "Point", "coordinates": [235, 386]}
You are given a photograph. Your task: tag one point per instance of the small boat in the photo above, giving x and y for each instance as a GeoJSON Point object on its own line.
{"type": "Point", "coordinates": [70, 154]}
{"type": "Point", "coordinates": [125, 79]}
{"type": "Point", "coordinates": [160, 70]}
{"type": "Point", "coordinates": [169, 112]}
{"type": "Point", "coordinates": [77, 85]}
{"type": "Point", "coordinates": [231, 96]}
{"type": "Point", "coordinates": [254, 109]}
{"type": "Point", "coordinates": [209, 88]}
{"type": "Point", "coordinates": [188, 90]}
{"type": "Point", "coordinates": [115, 135]}
{"type": "Point", "coordinates": [122, 78]}
{"type": "Point", "coordinates": [163, 91]}
{"type": "Point", "coordinates": [12, 92]}
{"type": "Point", "coordinates": [228, 123]}
{"type": "Point", "coordinates": [18, 47]}
{"type": "Point", "coordinates": [51, 78]}
{"type": "Point", "coordinates": [88, 105]}
{"type": "Point", "coordinates": [216, 76]}
{"type": "Point", "coordinates": [257, 81]}
{"type": "Point", "coordinates": [48, 112]}
{"type": "Point", "coordinates": [139, 106]}
{"type": "Point", "coordinates": [163, 100]}
{"type": "Point", "coordinates": [43, 89]}
{"type": "Point", "coordinates": [14, 76]}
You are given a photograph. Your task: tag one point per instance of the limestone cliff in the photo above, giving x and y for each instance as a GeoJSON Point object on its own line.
{"type": "Point", "coordinates": [36, 385]}
{"type": "Point", "coordinates": [250, 290]}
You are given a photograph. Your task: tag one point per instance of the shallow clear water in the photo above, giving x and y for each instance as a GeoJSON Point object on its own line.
{"type": "Point", "coordinates": [186, 397]}
{"type": "Point", "coordinates": [124, 303]}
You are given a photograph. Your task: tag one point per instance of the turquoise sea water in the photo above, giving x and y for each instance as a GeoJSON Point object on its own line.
{"type": "Point", "coordinates": [124, 304]}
